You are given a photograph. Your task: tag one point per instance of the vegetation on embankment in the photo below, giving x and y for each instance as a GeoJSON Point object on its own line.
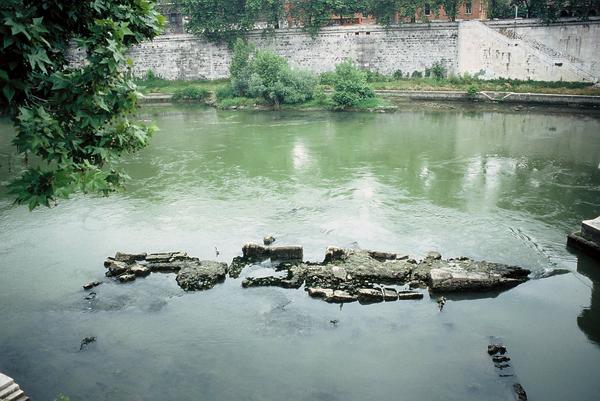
{"type": "Point", "coordinates": [376, 82]}
{"type": "Point", "coordinates": [262, 79]}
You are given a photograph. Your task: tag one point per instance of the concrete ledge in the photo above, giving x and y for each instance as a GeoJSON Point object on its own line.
{"type": "Point", "coordinates": [495, 97]}
{"type": "Point", "coordinates": [590, 230]}
{"type": "Point", "coordinates": [576, 241]}
{"type": "Point", "coordinates": [500, 97]}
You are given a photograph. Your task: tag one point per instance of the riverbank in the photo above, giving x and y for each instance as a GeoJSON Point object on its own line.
{"type": "Point", "coordinates": [389, 90]}
{"type": "Point", "coordinates": [391, 95]}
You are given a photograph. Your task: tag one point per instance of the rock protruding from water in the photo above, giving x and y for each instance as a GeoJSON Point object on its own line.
{"type": "Point", "coordinates": [91, 284]}
{"type": "Point", "coordinates": [192, 273]}
{"type": "Point", "coordinates": [204, 275]}
{"type": "Point", "coordinates": [281, 253]}
{"type": "Point", "coordinates": [588, 239]}
{"type": "Point", "coordinates": [506, 372]}
{"type": "Point", "coordinates": [345, 275]}
{"type": "Point", "coordinates": [465, 274]}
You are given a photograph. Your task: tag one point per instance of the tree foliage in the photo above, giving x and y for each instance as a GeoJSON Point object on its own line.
{"type": "Point", "coordinates": [230, 19]}
{"type": "Point", "coordinates": [71, 120]}
{"type": "Point", "coordinates": [226, 20]}
{"type": "Point", "coordinates": [551, 10]}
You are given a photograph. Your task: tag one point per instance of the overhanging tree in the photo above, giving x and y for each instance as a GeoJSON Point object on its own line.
{"type": "Point", "coordinates": [226, 20]}
{"type": "Point", "coordinates": [71, 121]}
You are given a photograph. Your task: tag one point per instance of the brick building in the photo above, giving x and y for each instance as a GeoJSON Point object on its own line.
{"type": "Point", "coordinates": [468, 10]}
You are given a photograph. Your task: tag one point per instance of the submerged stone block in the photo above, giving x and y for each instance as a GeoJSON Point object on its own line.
{"type": "Point", "coordinates": [588, 239]}
{"type": "Point", "coordinates": [590, 230]}
{"type": "Point", "coordinates": [283, 252]}
{"type": "Point", "coordinates": [201, 276]}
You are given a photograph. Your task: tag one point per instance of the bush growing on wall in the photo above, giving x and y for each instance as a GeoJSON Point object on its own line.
{"type": "Point", "coordinates": [350, 86]}
{"type": "Point", "coordinates": [438, 71]}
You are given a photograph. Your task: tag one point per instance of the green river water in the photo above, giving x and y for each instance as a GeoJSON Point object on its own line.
{"type": "Point", "coordinates": [505, 186]}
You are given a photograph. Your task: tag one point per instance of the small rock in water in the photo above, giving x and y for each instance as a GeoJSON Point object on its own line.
{"type": "Point", "coordinates": [129, 257]}
{"type": "Point", "coordinates": [86, 341]}
{"type": "Point", "coordinates": [268, 240]}
{"type": "Point", "coordinates": [390, 294]}
{"type": "Point", "coordinates": [334, 322]}
{"type": "Point", "coordinates": [441, 302]}
{"type": "Point", "coordinates": [126, 277]}
{"type": "Point", "coordinates": [91, 285]}
{"type": "Point", "coordinates": [409, 295]}
{"type": "Point", "coordinates": [341, 296]}
{"type": "Point", "coordinates": [217, 253]}
{"type": "Point", "coordinates": [500, 358]}
{"type": "Point", "coordinates": [90, 296]}
{"type": "Point", "coordinates": [320, 292]}
{"type": "Point", "coordinates": [520, 392]}
{"type": "Point", "coordinates": [495, 349]}
{"type": "Point", "coordinates": [139, 270]}
{"type": "Point", "coordinates": [434, 255]}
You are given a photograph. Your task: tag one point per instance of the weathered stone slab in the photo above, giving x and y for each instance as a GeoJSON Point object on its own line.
{"type": "Point", "coordinates": [129, 257]}
{"type": "Point", "coordinates": [409, 295]}
{"type": "Point", "coordinates": [115, 268]}
{"type": "Point", "coordinates": [382, 256]}
{"type": "Point", "coordinates": [91, 284]}
{"type": "Point", "coordinates": [202, 275]}
{"type": "Point", "coordinates": [369, 295]}
{"type": "Point", "coordinates": [286, 252]}
{"type": "Point", "coordinates": [577, 241]}
{"type": "Point", "coordinates": [172, 265]}
{"type": "Point", "coordinates": [320, 292]}
{"type": "Point", "coordinates": [272, 281]}
{"type": "Point", "coordinates": [467, 275]}
{"type": "Point", "coordinates": [124, 278]}
{"type": "Point", "coordinates": [139, 270]}
{"type": "Point", "coordinates": [588, 239]}
{"type": "Point", "coordinates": [590, 230]}
{"type": "Point", "coordinates": [166, 257]}
{"type": "Point", "coordinates": [390, 294]}
{"type": "Point", "coordinates": [281, 253]}
{"type": "Point", "coordinates": [340, 296]}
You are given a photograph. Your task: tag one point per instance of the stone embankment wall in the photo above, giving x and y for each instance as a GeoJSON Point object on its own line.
{"type": "Point", "coordinates": [568, 51]}
{"type": "Point", "coordinates": [411, 48]}
{"type": "Point", "coordinates": [569, 40]}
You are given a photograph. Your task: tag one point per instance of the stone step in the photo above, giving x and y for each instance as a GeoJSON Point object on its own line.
{"type": "Point", "coordinates": [17, 395]}
{"type": "Point", "coordinates": [7, 392]}
{"type": "Point", "coordinates": [5, 381]}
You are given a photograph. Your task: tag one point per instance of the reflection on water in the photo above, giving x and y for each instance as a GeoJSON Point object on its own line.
{"type": "Point", "coordinates": [589, 320]}
{"type": "Point", "coordinates": [501, 186]}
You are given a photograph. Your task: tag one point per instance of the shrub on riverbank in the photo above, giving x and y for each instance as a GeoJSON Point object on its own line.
{"type": "Point", "coordinates": [264, 75]}
{"type": "Point", "coordinates": [350, 86]}
{"type": "Point", "coordinates": [191, 93]}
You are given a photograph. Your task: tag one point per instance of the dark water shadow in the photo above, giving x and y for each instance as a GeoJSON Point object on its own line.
{"type": "Point", "coordinates": [473, 295]}
{"type": "Point", "coordinates": [589, 319]}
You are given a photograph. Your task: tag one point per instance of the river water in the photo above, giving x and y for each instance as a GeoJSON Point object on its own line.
{"type": "Point", "coordinates": [504, 185]}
